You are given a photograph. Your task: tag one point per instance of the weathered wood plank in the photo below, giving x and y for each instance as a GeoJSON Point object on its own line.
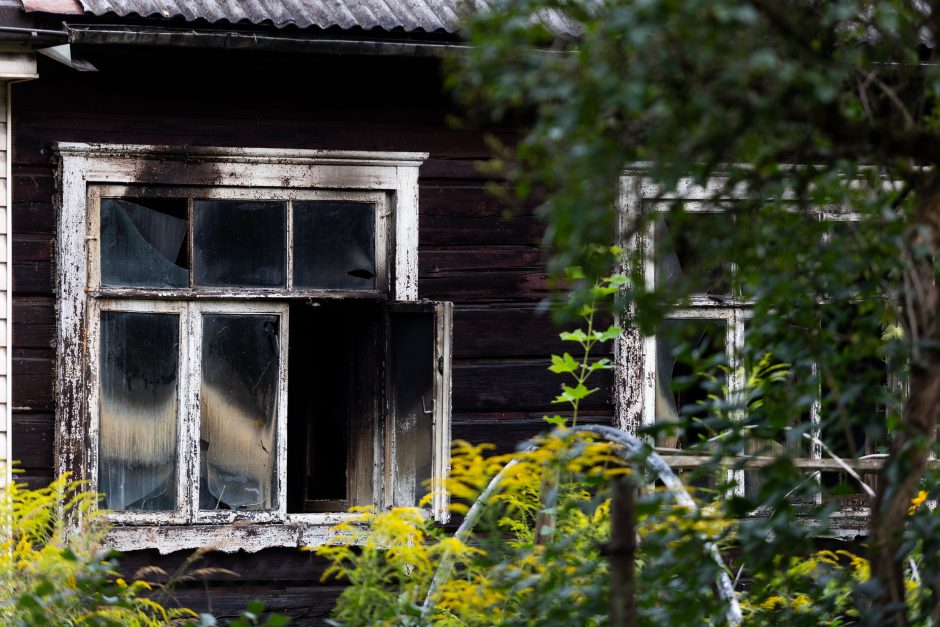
{"type": "Point", "coordinates": [34, 322]}
{"type": "Point", "coordinates": [32, 383]}
{"type": "Point", "coordinates": [32, 277]}
{"type": "Point", "coordinates": [275, 566]}
{"type": "Point", "coordinates": [32, 442]}
{"type": "Point", "coordinates": [508, 434]}
{"type": "Point", "coordinates": [510, 330]}
{"type": "Point", "coordinates": [522, 386]}
{"type": "Point", "coordinates": [308, 605]}
{"type": "Point", "coordinates": [487, 287]}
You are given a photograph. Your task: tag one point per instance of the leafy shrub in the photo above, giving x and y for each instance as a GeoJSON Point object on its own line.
{"type": "Point", "coordinates": [56, 570]}
{"type": "Point", "coordinates": [54, 574]}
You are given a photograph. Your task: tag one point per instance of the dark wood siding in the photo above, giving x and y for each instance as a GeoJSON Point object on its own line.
{"type": "Point", "coordinates": [489, 266]}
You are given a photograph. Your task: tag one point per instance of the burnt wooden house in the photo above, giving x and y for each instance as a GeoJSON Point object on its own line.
{"type": "Point", "coordinates": [251, 274]}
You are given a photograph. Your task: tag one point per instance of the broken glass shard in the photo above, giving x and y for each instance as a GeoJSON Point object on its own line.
{"type": "Point", "coordinates": [138, 410]}
{"type": "Point", "coordinates": [141, 245]}
{"type": "Point", "coordinates": [239, 243]}
{"type": "Point", "coordinates": [334, 245]}
{"type": "Point", "coordinates": [238, 407]}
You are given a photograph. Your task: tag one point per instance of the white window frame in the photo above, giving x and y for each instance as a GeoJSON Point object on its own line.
{"type": "Point", "coordinates": [635, 355]}
{"type": "Point", "coordinates": [390, 179]}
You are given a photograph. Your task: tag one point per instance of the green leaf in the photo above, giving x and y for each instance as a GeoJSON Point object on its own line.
{"type": "Point", "coordinates": [563, 364]}
{"type": "Point", "coordinates": [277, 620]}
{"type": "Point", "coordinates": [555, 420]}
{"type": "Point", "coordinates": [600, 364]}
{"type": "Point", "coordinates": [573, 336]}
{"type": "Point", "coordinates": [612, 332]}
{"type": "Point", "coordinates": [574, 273]}
{"type": "Point", "coordinates": [570, 394]}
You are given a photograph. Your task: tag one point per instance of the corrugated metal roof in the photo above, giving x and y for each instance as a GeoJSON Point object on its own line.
{"type": "Point", "coordinates": [409, 15]}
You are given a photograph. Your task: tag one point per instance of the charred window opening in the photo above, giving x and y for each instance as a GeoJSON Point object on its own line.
{"type": "Point", "coordinates": [227, 318]}
{"type": "Point", "coordinates": [334, 379]}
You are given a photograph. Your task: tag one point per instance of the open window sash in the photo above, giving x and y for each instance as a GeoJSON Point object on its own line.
{"type": "Point", "coordinates": [419, 401]}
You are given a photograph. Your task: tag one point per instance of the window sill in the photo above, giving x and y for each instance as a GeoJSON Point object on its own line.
{"type": "Point", "coordinates": [299, 531]}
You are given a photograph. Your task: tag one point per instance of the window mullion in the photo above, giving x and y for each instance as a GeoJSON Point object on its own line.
{"type": "Point", "coordinates": [190, 418]}
{"type": "Point", "coordinates": [182, 430]}
{"type": "Point", "coordinates": [281, 417]}
{"type": "Point", "coordinates": [289, 245]}
{"type": "Point", "coordinates": [737, 379]}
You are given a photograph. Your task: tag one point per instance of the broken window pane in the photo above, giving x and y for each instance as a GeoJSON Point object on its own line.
{"type": "Point", "coordinates": [334, 245]}
{"type": "Point", "coordinates": [142, 243]}
{"type": "Point", "coordinates": [686, 250]}
{"type": "Point", "coordinates": [239, 243]}
{"type": "Point", "coordinates": [412, 363]}
{"type": "Point", "coordinates": [688, 356]}
{"type": "Point", "coordinates": [138, 410]}
{"type": "Point", "coordinates": [238, 408]}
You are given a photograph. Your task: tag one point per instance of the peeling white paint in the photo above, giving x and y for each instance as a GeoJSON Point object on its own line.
{"type": "Point", "coordinates": [89, 171]}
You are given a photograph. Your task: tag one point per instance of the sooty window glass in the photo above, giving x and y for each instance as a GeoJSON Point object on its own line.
{"type": "Point", "coordinates": [139, 399]}
{"type": "Point", "coordinates": [239, 243]}
{"type": "Point", "coordinates": [238, 411]}
{"type": "Point", "coordinates": [334, 245]}
{"type": "Point", "coordinates": [142, 242]}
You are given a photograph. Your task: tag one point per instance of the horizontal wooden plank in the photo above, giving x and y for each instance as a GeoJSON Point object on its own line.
{"type": "Point", "coordinates": [307, 605]}
{"type": "Point", "coordinates": [522, 386]}
{"type": "Point", "coordinates": [32, 384]}
{"type": "Point", "coordinates": [452, 170]}
{"type": "Point", "coordinates": [34, 480]}
{"type": "Point", "coordinates": [33, 322]}
{"type": "Point", "coordinates": [32, 277]}
{"type": "Point", "coordinates": [446, 261]}
{"type": "Point", "coordinates": [511, 286]}
{"type": "Point", "coordinates": [508, 435]}
{"type": "Point", "coordinates": [33, 186]}
{"type": "Point", "coordinates": [33, 217]}
{"type": "Point", "coordinates": [457, 229]}
{"type": "Point", "coordinates": [469, 198]}
{"type": "Point", "coordinates": [276, 566]}
{"type": "Point", "coordinates": [29, 247]}
{"type": "Point", "coordinates": [511, 330]}
{"type": "Point", "coordinates": [33, 442]}
{"type": "Point", "coordinates": [679, 460]}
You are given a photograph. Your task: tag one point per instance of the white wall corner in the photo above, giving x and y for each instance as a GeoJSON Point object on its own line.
{"type": "Point", "coordinates": [17, 63]}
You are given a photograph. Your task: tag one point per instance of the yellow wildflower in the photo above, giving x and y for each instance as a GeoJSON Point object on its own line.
{"type": "Point", "coordinates": [773, 602]}
{"type": "Point", "coordinates": [916, 502]}
{"type": "Point", "coordinates": [801, 601]}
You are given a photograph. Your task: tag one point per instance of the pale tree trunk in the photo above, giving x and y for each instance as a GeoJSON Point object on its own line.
{"type": "Point", "coordinates": [913, 441]}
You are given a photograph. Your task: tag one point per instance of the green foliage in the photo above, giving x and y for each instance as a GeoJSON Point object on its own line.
{"type": "Point", "coordinates": [587, 339]}
{"type": "Point", "coordinates": [56, 570]}
{"type": "Point", "coordinates": [54, 574]}
{"type": "Point", "coordinates": [538, 554]}
{"type": "Point", "coordinates": [513, 570]}
{"type": "Point", "coordinates": [816, 125]}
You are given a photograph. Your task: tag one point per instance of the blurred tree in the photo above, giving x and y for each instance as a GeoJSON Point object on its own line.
{"type": "Point", "coordinates": [808, 105]}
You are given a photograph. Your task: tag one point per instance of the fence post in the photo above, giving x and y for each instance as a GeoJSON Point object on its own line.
{"type": "Point", "coordinates": [621, 550]}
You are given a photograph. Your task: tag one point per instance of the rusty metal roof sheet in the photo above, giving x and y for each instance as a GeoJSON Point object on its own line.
{"type": "Point", "coordinates": [408, 15]}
